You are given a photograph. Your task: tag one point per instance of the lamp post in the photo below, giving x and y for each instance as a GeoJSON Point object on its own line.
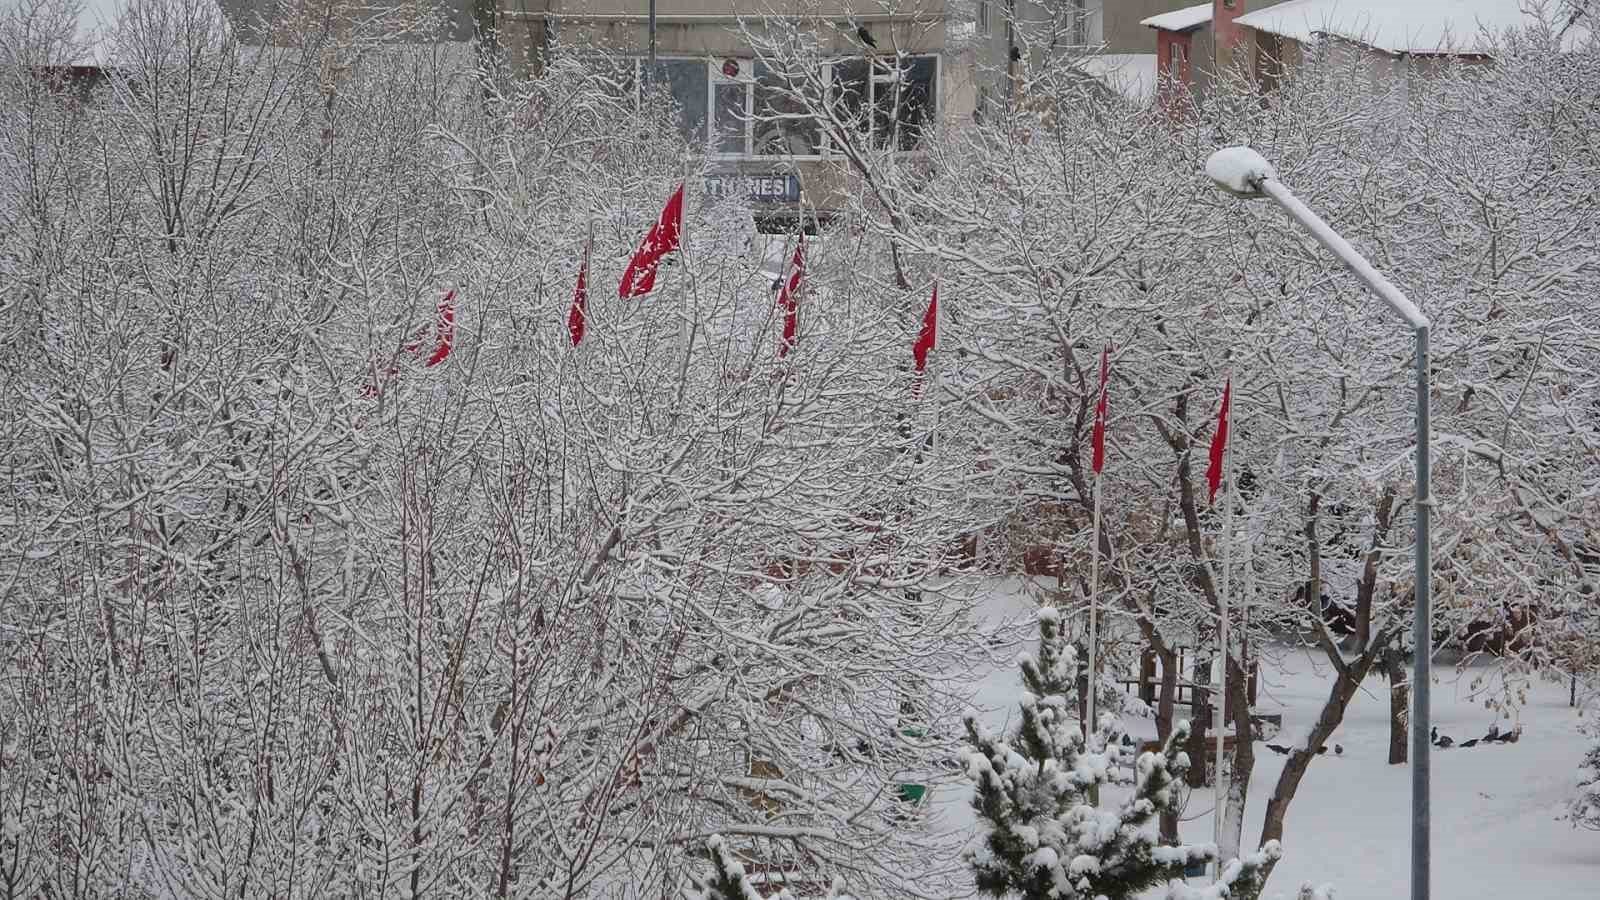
{"type": "Point", "coordinates": [650, 54]}
{"type": "Point", "coordinates": [1244, 173]}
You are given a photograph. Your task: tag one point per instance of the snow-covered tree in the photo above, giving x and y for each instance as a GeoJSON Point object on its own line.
{"type": "Point", "coordinates": [290, 612]}
{"type": "Point", "coordinates": [1041, 837]}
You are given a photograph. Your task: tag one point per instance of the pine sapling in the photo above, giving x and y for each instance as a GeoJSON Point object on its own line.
{"type": "Point", "coordinates": [1042, 838]}
{"type": "Point", "coordinates": [728, 880]}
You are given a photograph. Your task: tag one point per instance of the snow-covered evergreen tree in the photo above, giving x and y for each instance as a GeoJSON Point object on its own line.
{"type": "Point", "coordinates": [728, 880]}
{"type": "Point", "coordinates": [1584, 809]}
{"type": "Point", "coordinates": [1043, 837]}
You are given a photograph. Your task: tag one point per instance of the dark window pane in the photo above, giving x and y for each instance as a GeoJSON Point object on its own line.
{"type": "Point", "coordinates": [850, 92]}
{"type": "Point", "coordinates": [731, 117]}
{"type": "Point", "coordinates": [903, 99]}
{"type": "Point", "coordinates": [687, 81]}
{"type": "Point", "coordinates": [782, 125]}
{"type": "Point", "coordinates": [918, 97]}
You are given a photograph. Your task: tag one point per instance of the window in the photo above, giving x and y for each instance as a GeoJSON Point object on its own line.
{"type": "Point", "coordinates": [782, 126]}
{"type": "Point", "coordinates": [911, 109]}
{"type": "Point", "coordinates": [983, 17]}
{"type": "Point", "coordinates": [741, 107]}
{"type": "Point", "coordinates": [893, 101]}
{"type": "Point", "coordinates": [850, 93]}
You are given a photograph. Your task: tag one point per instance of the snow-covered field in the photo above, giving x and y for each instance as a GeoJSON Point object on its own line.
{"type": "Point", "coordinates": [1496, 808]}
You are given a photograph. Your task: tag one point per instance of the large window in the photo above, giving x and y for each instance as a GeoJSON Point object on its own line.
{"type": "Point", "coordinates": [743, 108]}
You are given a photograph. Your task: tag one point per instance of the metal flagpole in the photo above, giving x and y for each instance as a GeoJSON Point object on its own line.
{"type": "Point", "coordinates": [1094, 612]}
{"type": "Point", "coordinates": [1219, 705]}
{"type": "Point", "coordinates": [938, 360]}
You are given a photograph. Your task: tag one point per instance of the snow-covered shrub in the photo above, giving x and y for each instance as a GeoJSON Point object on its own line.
{"type": "Point", "coordinates": [1584, 808]}
{"type": "Point", "coordinates": [728, 880]}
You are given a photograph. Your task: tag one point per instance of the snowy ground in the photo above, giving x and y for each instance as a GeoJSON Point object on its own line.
{"type": "Point", "coordinates": [1496, 832]}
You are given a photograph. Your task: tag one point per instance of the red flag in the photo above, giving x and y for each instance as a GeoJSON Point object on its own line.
{"type": "Point", "coordinates": [640, 277]}
{"type": "Point", "coordinates": [788, 298]}
{"type": "Point", "coordinates": [1100, 412]}
{"type": "Point", "coordinates": [444, 337]}
{"type": "Point", "coordinates": [928, 337]}
{"type": "Point", "coordinates": [444, 330]}
{"type": "Point", "coordinates": [1219, 444]}
{"type": "Point", "coordinates": [577, 315]}
{"type": "Point", "coordinates": [444, 333]}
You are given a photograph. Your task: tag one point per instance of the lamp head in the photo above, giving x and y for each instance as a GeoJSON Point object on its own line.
{"type": "Point", "coordinates": [1239, 171]}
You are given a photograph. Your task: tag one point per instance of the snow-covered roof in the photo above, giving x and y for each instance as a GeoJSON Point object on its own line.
{"type": "Point", "coordinates": [1181, 19]}
{"type": "Point", "coordinates": [1409, 26]}
{"type": "Point", "coordinates": [95, 19]}
{"type": "Point", "coordinates": [1131, 74]}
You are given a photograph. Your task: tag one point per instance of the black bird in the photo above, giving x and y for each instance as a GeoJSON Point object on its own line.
{"type": "Point", "coordinates": [1445, 743]}
{"type": "Point", "coordinates": [1471, 743]}
{"type": "Point", "coordinates": [1338, 749]}
{"type": "Point", "coordinates": [1278, 749]}
{"type": "Point", "coordinates": [866, 36]}
{"type": "Point", "coordinates": [1016, 54]}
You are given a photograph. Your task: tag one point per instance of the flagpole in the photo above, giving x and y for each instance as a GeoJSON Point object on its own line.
{"type": "Point", "coordinates": [1219, 706]}
{"type": "Point", "coordinates": [1098, 462]}
{"type": "Point", "coordinates": [685, 328]}
{"type": "Point", "coordinates": [1094, 601]}
{"type": "Point", "coordinates": [938, 363]}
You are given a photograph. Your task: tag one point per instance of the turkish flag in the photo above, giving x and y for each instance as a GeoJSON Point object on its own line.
{"type": "Point", "coordinates": [1099, 439]}
{"type": "Point", "coordinates": [444, 332]}
{"type": "Point", "coordinates": [928, 337]}
{"type": "Point", "coordinates": [1219, 444]}
{"type": "Point", "coordinates": [788, 298]}
{"type": "Point", "coordinates": [640, 277]}
{"type": "Point", "coordinates": [577, 315]}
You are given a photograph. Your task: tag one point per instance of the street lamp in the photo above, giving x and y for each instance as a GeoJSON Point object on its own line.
{"type": "Point", "coordinates": [1244, 173]}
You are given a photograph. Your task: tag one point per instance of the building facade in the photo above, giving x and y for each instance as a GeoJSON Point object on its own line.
{"type": "Point", "coordinates": [1106, 38]}
{"type": "Point", "coordinates": [888, 65]}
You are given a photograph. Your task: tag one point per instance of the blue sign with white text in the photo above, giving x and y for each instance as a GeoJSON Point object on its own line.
{"type": "Point", "coordinates": [759, 188]}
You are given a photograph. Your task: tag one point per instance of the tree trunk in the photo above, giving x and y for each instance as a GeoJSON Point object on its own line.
{"type": "Point", "coordinates": [1169, 696]}
{"type": "Point", "coordinates": [1399, 704]}
{"type": "Point", "coordinates": [1243, 761]}
{"type": "Point", "coordinates": [1344, 690]}
{"type": "Point", "coordinates": [1198, 745]}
